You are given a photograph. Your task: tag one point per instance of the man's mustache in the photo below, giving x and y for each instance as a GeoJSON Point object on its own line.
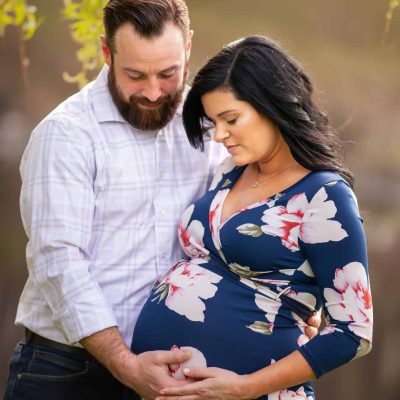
{"type": "Point", "coordinates": [145, 102]}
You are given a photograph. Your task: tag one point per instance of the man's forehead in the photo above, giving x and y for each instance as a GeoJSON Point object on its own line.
{"type": "Point", "coordinates": [149, 55]}
{"type": "Point", "coordinates": [170, 40]}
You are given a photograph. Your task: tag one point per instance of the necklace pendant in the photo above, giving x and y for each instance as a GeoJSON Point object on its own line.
{"type": "Point", "coordinates": [254, 185]}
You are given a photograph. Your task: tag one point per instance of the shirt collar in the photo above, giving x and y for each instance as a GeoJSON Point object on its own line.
{"type": "Point", "coordinates": [103, 104]}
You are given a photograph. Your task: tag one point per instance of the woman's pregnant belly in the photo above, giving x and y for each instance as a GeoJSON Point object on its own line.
{"type": "Point", "coordinates": [201, 305]}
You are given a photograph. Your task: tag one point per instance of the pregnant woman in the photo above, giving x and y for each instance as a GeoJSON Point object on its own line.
{"type": "Point", "coordinates": [277, 237]}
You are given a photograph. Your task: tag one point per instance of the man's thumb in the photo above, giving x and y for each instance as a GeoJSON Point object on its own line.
{"type": "Point", "coordinates": [178, 356]}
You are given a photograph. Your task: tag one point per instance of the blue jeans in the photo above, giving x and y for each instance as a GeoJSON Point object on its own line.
{"type": "Point", "coordinates": [39, 372]}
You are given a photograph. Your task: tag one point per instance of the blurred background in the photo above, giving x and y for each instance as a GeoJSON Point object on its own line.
{"type": "Point", "coordinates": [356, 69]}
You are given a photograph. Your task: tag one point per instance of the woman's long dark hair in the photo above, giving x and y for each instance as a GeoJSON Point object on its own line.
{"type": "Point", "coordinates": [257, 70]}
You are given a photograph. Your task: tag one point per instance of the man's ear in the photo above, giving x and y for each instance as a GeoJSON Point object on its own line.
{"type": "Point", "coordinates": [106, 50]}
{"type": "Point", "coordinates": [189, 45]}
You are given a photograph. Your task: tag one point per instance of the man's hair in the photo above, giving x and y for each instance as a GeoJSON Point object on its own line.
{"type": "Point", "coordinates": [148, 17]}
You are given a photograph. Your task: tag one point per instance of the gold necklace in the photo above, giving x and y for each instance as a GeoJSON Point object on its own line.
{"type": "Point", "coordinates": [257, 181]}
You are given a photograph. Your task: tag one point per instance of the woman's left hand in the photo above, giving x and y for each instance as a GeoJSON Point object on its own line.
{"type": "Point", "coordinates": [211, 384]}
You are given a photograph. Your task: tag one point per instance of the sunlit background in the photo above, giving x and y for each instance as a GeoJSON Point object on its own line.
{"type": "Point", "coordinates": [356, 69]}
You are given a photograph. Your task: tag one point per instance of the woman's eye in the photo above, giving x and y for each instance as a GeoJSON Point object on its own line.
{"type": "Point", "coordinates": [232, 121]}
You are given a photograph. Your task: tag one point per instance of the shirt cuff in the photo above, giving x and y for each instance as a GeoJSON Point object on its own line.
{"type": "Point", "coordinates": [80, 319]}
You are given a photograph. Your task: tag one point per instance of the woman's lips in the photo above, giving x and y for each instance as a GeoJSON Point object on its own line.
{"type": "Point", "coordinates": [231, 148]}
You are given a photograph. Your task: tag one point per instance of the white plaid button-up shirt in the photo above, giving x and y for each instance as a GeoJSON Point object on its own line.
{"type": "Point", "coordinates": [100, 203]}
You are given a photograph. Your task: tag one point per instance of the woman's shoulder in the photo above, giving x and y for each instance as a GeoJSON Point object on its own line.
{"type": "Point", "coordinates": [321, 178]}
{"type": "Point", "coordinates": [327, 185]}
{"type": "Point", "coordinates": [316, 180]}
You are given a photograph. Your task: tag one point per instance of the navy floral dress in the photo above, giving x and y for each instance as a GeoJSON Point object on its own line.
{"type": "Point", "coordinates": [248, 284]}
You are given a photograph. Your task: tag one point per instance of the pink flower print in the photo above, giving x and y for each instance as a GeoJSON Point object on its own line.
{"type": "Point", "coordinates": [184, 287]}
{"type": "Point", "coordinates": [270, 306]}
{"type": "Point", "coordinates": [328, 330]}
{"type": "Point", "coordinates": [351, 301]}
{"type": "Point", "coordinates": [184, 236]}
{"type": "Point", "coordinates": [191, 236]}
{"type": "Point", "coordinates": [311, 222]}
{"type": "Point", "coordinates": [287, 394]}
{"type": "Point", "coordinates": [226, 166]}
{"type": "Point", "coordinates": [214, 216]}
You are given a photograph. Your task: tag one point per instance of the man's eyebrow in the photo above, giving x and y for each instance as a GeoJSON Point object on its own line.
{"type": "Point", "coordinates": [164, 71]}
{"type": "Point", "coordinates": [133, 71]}
{"type": "Point", "coordinates": [169, 69]}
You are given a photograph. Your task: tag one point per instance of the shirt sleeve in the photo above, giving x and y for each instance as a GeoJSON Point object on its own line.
{"type": "Point", "coordinates": [334, 243]}
{"type": "Point", "coordinates": [57, 207]}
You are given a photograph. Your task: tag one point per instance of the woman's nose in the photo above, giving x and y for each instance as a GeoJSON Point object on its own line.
{"type": "Point", "coordinates": [220, 133]}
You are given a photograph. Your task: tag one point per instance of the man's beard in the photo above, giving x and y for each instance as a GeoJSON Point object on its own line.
{"type": "Point", "coordinates": [145, 119]}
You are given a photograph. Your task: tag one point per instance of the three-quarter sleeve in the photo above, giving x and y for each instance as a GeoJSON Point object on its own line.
{"type": "Point", "coordinates": [57, 207]}
{"type": "Point", "coordinates": [341, 273]}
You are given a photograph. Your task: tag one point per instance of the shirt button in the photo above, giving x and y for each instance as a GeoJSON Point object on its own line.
{"type": "Point", "coordinates": [163, 254]}
{"type": "Point", "coordinates": [163, 213]}
{"type": "Point", "coordinates": [162, 174]}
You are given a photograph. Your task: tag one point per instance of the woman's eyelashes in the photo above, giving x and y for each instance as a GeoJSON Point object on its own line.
{"type": "Point", "coordinates": [230, 121]}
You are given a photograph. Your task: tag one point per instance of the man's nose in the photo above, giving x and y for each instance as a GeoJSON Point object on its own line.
{"type": "Point", "coordinates": [152, 90]}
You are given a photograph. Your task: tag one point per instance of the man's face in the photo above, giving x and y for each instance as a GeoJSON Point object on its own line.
{"type": "Point", "coordinates": [147, 76]}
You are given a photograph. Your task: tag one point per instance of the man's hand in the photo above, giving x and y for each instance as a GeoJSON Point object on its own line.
{"type": "Point", "coordinates": [145, 373]}
{"type": "Point", "coordinates": [313, 324]}
{"type": "Point", "coordinates": [148, 372]}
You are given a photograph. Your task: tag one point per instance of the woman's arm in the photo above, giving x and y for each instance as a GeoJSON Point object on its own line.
{"type": "Point", "coordinates": [220, 384]}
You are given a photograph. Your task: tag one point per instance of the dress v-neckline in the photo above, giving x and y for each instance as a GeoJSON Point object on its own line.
{"type": "Point", "coordinates": [252, 205]}
{"type": "Point", "coordinates": [228, 190]}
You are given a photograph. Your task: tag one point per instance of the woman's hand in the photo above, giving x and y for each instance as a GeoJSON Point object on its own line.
{"type": "Point", "coordinates": [211, 384]}
{"type": "Point", "coordinates": [313, 325]}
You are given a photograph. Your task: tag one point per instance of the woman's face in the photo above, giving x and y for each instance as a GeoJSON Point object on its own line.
{"type": "Point", "coordinates": [248, 135]}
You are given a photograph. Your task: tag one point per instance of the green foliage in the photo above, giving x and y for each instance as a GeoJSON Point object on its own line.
{"type": "Point", "coordinates": [393, 4]}
{"type": "Point", "coordinates": [21, 14]}
{"type": "Point", "coordinates": [85, 22]}
{"type": "Point", "coordinates": [85, 18]}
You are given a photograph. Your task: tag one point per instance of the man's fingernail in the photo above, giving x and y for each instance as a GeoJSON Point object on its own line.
{"type": "Point", "coordinates": [186, 353]}
{"type": "Point", "coordinates": [186, 370]}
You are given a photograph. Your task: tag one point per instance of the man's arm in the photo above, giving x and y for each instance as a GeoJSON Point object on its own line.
{"type": "Point", "coordinates": [145, 373]}
{"type": "Point", "coordinates": [57, 208]}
